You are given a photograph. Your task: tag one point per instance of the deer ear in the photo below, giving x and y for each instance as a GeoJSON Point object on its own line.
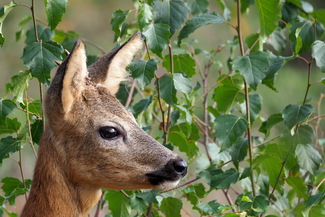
{"type": "Point", "coordinates": [74, 76]}
{"type": "Point", "coordinates": [110, 69]}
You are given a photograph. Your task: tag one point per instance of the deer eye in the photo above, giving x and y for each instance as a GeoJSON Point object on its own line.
{"type": "Point", "coordinates": [108, 133]}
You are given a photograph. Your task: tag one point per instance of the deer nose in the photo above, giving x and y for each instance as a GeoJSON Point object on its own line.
{"type": "Point", "coordinates": [180, 166]}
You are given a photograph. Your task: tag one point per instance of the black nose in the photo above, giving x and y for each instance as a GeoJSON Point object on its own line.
{"type": "Point", "coordinates": [180, 166]}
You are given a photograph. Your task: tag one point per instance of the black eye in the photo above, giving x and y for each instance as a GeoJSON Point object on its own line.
{"type": "Point", "coordinates": [108, 132]}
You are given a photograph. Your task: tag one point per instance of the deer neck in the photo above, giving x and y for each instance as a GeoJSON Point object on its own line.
{"type": "Point", "coordinates": [52, 193]}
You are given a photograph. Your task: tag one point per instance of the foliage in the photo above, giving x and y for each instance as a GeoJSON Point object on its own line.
{"type": "Point", "coordinates": [263, 164]}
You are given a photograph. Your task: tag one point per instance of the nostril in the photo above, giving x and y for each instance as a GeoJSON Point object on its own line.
{"type": "Point", "coordinates": [180, 167]}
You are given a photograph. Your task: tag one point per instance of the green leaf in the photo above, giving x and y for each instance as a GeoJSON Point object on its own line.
{"type": "Point", "coordinates": [294, 114]}
{"type": "Point", "coordinates": [167, 89]}
{"type": "Point", "coordinates": [269, 13]}
{"type": "Point", "coordinates": [319, 15]}
{"type": "Point", "coordinates": [183, 63]}
{"type": "Point", "coordinates": [22, 25]}
{"type": "Point", "coordinates": [229, 128]}
{"type": "Point", "coordinates": [302, 35]}
{"type": "Point", "coordinates": [305, 135]}
{"type": "Point", "coordinates": [182, 83]}
{"type": "Point", "coordinates": [318, 53]}
{"type": "Point", "coordinates": [198, 6]}
{"type": "Point", "coordinates": [35, 107]}
{"type": "Point", "coordinates": [317, 210]}
{"type": "Point", "coordinates": [177, 138]}
{"type": "Point", "coordinates": [55, 10]}
{"type": "Point", "coordinates": [44, 34]}
{"type": "Point", "coordinates": [260, 203]}
{"type": "Point", "coordinates": [118, 204]}
{"type": "Point", "coordinates": [170, 12]}
{"type": "Point", "coordinates": [171, 207]}
{"type": "Point", "coordinates": [277, 39]}
{"type": "Point", "coordinates": [298, 186]}
{"type": "Point", "coordinates": [308, 158]}
{"type": "Point", "coordinates": [141, 106]}
{"type": "Point", "coordinates": [145, 15]}
{"type": "Point", "coordinates": [40, 58]}
{"type": "Point", "coordinates": [255, 104]}
{"type": "Point", "coordinates": [9, 126]}
{"type": "Point", "coordinates": [210, 208]}
{"type": "Point", "coordinates": [272, 166]}
{"type": "Point", "coordinates": [194, 192]}
{"type": "Point", "coordinates": [238, 151]}
{"type": "Point", "coordinates": [226, 94]}
{"type": "Point", "coordinates": [13, 187]}
{"type": "Point", "coordinates": [253, 67]}
{"type": "Point", "coordinates": [276, 63]}
{"type": "Point", "coordinates": [314, 199]}
{"type": "Point", "coordinates": [149, 196]}
{"type": "Point", "coordinates": [196, 22]}
{"type": "Point", "coordinates": [18, 85]}
{"type": "Point", "coordinates": [254, 43]}
{"type": "Point", "coordinates": [6, 107]}
{"type": "Point", "coordinates": [143, 71]}
{"type": "Point", "coordinates": [157, 36]}
{"type": "Point", "coordinates": [118, 18]}
{"type": "Point", "coordinates": [8, 145]}
{"type": "Point", "coordinates": [224, 180]}
{"type": "Point", "coordinates": [289, 13]}
{"type": "Point", "coordinates": [10, 214]}
{"type": "Point", "coordinates": [37, 131]}
{"type": "Point", "coordinates": [225, 9]}
{"type": "Point", "coordinates": [4, 11]}
{"type": "Point", "coordinates": [186, 113]}
{"type": "Point", "coordinates": [270, 122]}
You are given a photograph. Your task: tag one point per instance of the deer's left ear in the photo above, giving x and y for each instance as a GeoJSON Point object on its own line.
{"type": "Point", "coordinates": [75, 76]}
{"type": "Point", "coordinates": [110, 69]}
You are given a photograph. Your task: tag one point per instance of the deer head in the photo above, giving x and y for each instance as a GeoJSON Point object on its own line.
{"type": "Point", "coordinates": [96, 136]}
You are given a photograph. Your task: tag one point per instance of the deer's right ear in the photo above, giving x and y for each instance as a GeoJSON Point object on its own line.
{"type": "Point", "coordinates": [75, 76]}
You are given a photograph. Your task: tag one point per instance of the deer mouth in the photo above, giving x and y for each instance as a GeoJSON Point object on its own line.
{"type": "Point", "coordinates": [173, 171]}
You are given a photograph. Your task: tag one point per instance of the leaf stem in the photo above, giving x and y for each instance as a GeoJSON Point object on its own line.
{"type": "Point", "coordinates": [21, 171]}
{"type": "Point", "coordinates": [24, 5]}
{"type": "Point", "coordinates": [284, 162]}
{"type": "Point", "coordinates": [242, 52]}
{"type": "Point", "coordinates": [308, 81]}
{"type": "Point", "coordinates": [29, 127]}
{"type": "Point", "coordinates": [34, 20]}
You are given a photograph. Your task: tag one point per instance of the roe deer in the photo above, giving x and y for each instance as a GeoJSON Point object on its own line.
{"type": "Point", "coordinates": [92, 142]}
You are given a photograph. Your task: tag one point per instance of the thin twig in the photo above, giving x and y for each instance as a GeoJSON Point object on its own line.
{"type": "Point", "coordinates": [267, 141]}
{"type": "Point", "coordinates": [206, 114]}
{"type": "Point", "coordinates": [230, 202]}
{"type": "Point", "coordinates": [128, 101]}
{"type": "Point", "coordinates": [317, 187]}
{"type": "Point", "coordinates": [22, 172]}
{"type": "Point", "coordinates": [250, 145]}
{"type": "Point", "coordinates": [102, 50]}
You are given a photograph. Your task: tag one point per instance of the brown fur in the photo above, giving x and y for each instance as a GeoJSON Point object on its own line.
{"type": "Point", "coordinates": [74, 161]}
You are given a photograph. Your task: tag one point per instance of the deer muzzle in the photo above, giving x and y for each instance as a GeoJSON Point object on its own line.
{"type": "Point", "coordinates": [173, 171]}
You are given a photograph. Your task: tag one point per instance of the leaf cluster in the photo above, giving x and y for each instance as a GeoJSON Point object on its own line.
{"type": "Point", "coordinates": [210, 110]}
